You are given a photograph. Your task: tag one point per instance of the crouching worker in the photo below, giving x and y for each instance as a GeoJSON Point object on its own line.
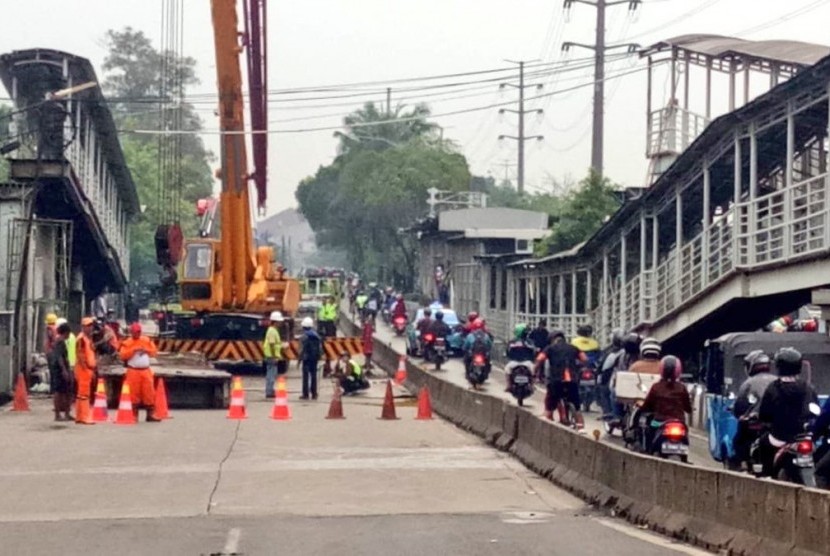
{"type": "Point", "coordinates": [136, 352]}
{"type": "Point", "coordinates": [350, 375]}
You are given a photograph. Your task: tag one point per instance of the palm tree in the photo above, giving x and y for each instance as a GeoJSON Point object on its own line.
{"type": "Point", "coordinates": [371, 129]}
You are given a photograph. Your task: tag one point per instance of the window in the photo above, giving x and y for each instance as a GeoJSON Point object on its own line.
{"type": "Point", "coordinates": [543, 296]}
{"type": "Point", "coordinates": [197, 262]}
{"type": "Point", "coordinates": [493, 284]}
{"type": "Point", "coordinates": [522, 295]}
{"type": "Point", "coordinates": [503, 297]}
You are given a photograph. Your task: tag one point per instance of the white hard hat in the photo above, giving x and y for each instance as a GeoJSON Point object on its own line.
{"type": "Point", "coordinates": [60, 321]}
{"type": "Point", "coordinates": [307, 323]}
{"type": "Point", "coordinates": [276, 316]}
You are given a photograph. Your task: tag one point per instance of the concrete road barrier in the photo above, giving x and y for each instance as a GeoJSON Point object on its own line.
{"type": "Point", "coordinates": [719, 510]}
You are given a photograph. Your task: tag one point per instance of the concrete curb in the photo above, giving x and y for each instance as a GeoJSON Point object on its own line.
{"type": "Point", "coordinates": [718, 510]}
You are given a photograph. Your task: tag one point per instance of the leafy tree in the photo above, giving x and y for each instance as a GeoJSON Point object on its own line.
{"type": "Point", "coordinates": [136, 85]}
{"type": "Point", "coordinates": [582, 213]}
{"type": "Point", "coordinates": [377, 187]}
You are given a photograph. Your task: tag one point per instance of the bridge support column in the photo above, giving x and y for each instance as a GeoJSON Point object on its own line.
{"type": "Point", "coordinates": [678, 240]}
{"type": "Point", "coordinates": [736, 198]}
{"type": "Point", "coordinates": [642, 315]}
{"type": "Point", "coordinates": [605, 300]}
{"type": "Point", "coordinates": [753, 192]}
{"type": "Point", "coordinates": [788, 179]}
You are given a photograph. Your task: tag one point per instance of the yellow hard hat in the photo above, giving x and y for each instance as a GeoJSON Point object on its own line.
{"type": "Point", "coordinates": [51, 318]}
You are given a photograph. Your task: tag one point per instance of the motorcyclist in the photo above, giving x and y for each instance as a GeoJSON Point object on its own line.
{"type": "Point", "coordinates": [563, 360]}
{"type": "Point", "coordinates": [520, 350]}
{"type": "Point", "coordinates": [540, 335]}
{"type": "Point", "coordinates": [748, 401]}
{"type": "Point", "coordinates": [607, 365]}
{"type": "Point", "coordinates": [399, 309]}
{"type": "Point", "coordinates": [587, 344]}
{"type": "Point", "coordinates": [631, 352]}
{"type": "Point", "coordinates": [468, 325]}
{"type": "Point", "coordinates": [785, 406]}
{"type": "Point", "coordinates": [438, 327]}
{"type": "Point", "coordinates": [422, 325]}
{"type": "Point", "coordinates": [477, 342]}
{"type": "Point", "coordinates": [667, 399]}
{"type": "Point", "coordinates": [649, 362]}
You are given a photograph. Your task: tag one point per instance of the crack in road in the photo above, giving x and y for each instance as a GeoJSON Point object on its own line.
{"type": "Point", "coordinates": [221, 466]}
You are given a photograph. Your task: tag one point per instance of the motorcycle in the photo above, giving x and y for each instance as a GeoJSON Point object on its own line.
{"type": "Point", "coordinates": [671, 440]}
{"type": "Point", "coordinates": [587, 387]}
{"type": "Point", "coordinates": [478, 370]}
{"type": "Point", "coordinates": [399, 325]}
{"type": "Point", "coordinates": [439, 352]}
{"type": "Point", "coordinates": [793, 461]}
{"type": "Point", "coordinates": [521, 379]}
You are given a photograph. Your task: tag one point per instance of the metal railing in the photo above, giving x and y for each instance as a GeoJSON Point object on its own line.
{"type": "Point", "coordinates": [672, 129]}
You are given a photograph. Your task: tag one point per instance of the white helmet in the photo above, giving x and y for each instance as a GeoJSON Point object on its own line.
{"type": "Point", "coordinates": [307, 323]}
{"type": "Point", "coordinates": [60, 321]}
{"type": "Point", "coordinates": [276, 316]}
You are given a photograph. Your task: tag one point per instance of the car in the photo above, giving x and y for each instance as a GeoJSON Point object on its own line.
{"type": "Point", "coordinates": [413, 347]}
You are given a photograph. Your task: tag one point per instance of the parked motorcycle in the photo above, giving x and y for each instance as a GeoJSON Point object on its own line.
{"type": "Point", "coordinates": [477, 370]}
{"type": "Point", "coordinates": [399, 325]}
{"type": "Point", "coordinates": [521, 378]}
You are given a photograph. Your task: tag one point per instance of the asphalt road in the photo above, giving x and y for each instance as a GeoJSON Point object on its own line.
{"type": "Point", "coordinates": [453, 371]}
{"type": "Point", "coordinates": [202, 484]}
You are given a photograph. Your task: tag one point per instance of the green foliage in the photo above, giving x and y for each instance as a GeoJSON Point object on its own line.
{"type": "Point", "coordinates": [134, 84]}
{"type": "Point", "coordinates": [377, 187]}
{"type": "Point", "coordinates": [581, 214]}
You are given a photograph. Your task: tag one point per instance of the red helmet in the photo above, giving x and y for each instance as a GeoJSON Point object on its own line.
{"type": "Point", "coordinates": [477, 324]}
{"type": "Point", "coordinates": [135, 329]}
{"type": "Point", "coordinates": [810, 326]}
{"type": "Point", "coordinates": [472, 316]}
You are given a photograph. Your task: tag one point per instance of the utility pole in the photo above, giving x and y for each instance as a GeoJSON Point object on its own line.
{"type": "Point", "coordinates": [520, 138]}
{"type": "Point", "coordinates": [388, 102]}
{"type": "Point", "coordinates": [506, 164]}
{"type": "Point", "coordinates": [599, 47]}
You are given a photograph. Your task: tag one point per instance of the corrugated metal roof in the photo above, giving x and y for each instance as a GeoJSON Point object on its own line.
{"type": "Point", "coordinates": [719, 46]}
{"type": "Point", "coordinates": [483, 218]}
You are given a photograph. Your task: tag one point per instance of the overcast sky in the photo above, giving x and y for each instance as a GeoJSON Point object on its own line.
{"type": "Point", "coordinates": [330, 42]}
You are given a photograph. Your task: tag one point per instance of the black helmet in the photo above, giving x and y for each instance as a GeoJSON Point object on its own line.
{"type": "Point", "coordinates": [788, 361]}
{"type": "Point", "coordinates": [756, 362]}
{"type": "Point", "coordinates": [556, 333]}
{"type": "Point", "coordinates": [439, 315]}
{"type": "Point", "coordinates": [671, 368]}
{"type": "Point", "coordinates": [617, 338]}
{"type": "Point", "coordinates": [585, 330]}
{"type": "Point", "coordinates": [631, 344]}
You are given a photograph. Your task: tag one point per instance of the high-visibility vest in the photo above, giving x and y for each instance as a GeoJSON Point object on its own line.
{"type": "Point", "coordinates": [328, 312]}
{"type": "Point", "coordinates": [72, 349]}
{"type": "Point", "coordinates": [266, 346]}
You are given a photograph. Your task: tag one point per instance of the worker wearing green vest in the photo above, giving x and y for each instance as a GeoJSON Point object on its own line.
{"type": "Point", "coordinates": [272, 352]}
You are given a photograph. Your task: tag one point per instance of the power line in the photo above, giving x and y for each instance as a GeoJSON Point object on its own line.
{"type": "Point", "coordinates": [782, 18]}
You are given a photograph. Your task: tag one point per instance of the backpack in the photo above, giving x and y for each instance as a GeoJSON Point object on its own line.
{"type": "Point", "coordinates": [312, 347]}
{"type": "Point", "coordinates": [479, 343]}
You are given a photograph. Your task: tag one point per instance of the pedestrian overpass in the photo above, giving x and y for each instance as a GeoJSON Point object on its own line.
{"type": "Point", "coordinates": [734, 232]}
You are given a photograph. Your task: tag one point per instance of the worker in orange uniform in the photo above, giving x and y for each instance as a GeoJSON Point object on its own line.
{"type": "Point", "coordinates": [136, 352]}
{"type": "Point", "coordinates": [86, 364]}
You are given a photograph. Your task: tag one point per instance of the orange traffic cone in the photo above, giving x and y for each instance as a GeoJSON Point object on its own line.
{"type": "Point", "coordinates": [336, 406]}
{"type": "Point", "coordinates": [237, 407]}
{"type": "Point", "coordinates": [281, 412]}
{"type": "Point", "coordinates": [400, 374]}
{"type": "Point", "coordinates": [125, 415]}
{"type": "Point", "coordinates": [21, 396]}
{"type": "Point", "coordinates": [424, 405]}
{"type": "Point", "coordinates": [99, 409]}
{"type": "Point", "coordinates": [388, 412]}
{"type": "Point", "coordinates": [160, 409]}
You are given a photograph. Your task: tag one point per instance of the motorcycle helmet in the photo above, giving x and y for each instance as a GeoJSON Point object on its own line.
{"type": "Point", "coordinates": [472, 316]}
{"type": "Point", "coordinates": [651, 348]}
{"type": "Point", "coordinates": [756, 362]}
{"type": "Point", "coordinates": [788, 361]}
{"type": "Point", "coordinates": [631, 344]}
{"type": "Point", "coordinates": [617, 339]}
{"type": "Point", "coordinates": [585, 330]}
{"type": "Point", "coordinates": [670, 368]}
{"type": "Point", "coordinates": [556, 333]}
{"type": "Point", "coordinates": [307, 323]}
{"type": "Point", "coordinates": [519, 331]}
{"type": "Point", "coordinates": [477, 324]}
{"type": "Point", "coordinates": [439, 315]}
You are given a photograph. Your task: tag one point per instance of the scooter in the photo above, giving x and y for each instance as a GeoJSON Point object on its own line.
{"type": "Point", "coordinates": [399, 325]}
{"type": "Point", "coordinates": [477, 370]}
{"type": "Point", "coordinates": [793, 461]}
{"type": "Point", "coordinates": [521, 379]}
{"type": "Point", "coordinates": [439, 352]}
{"type": "Point", "coordinates": [671, 440]}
